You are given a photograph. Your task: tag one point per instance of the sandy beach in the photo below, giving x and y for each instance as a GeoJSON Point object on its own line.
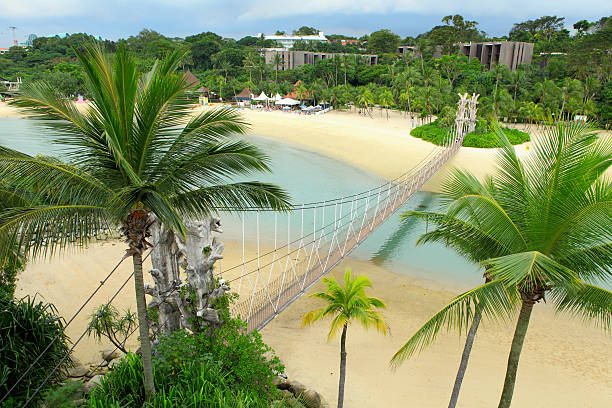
{"type": "Point", "coordinates": [565, 363]}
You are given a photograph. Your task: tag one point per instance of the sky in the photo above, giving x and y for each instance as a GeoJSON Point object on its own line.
{"type": "Point", "coordinates": [114, 19]}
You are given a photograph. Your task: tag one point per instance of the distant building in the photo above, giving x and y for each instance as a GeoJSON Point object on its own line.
{"type": "Point", "coordinates": [404, 50]}
{"type": "Point", "coordinates": [347, 41]}
{"type": "Point", "coordinates": [4, 50]}
{"type": "Point", "coordinates": [294, 59]}
{"type": "Point", "coordinates": [509, 53]}
{"type": "Point", "coordinates": [287, 41]}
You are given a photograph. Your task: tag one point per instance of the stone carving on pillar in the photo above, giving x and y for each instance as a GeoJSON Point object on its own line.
{"type": "Point", "coordinates": [188, 304]}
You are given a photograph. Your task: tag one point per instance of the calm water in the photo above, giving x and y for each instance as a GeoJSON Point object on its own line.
{"type": "Point", "coordinates": [311, 177]}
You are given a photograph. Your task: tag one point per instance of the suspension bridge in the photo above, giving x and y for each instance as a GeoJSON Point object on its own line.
{"type": "Point", "coordinates": [269, 282]}
{"type": "Point", "coordinates": [326, 232]}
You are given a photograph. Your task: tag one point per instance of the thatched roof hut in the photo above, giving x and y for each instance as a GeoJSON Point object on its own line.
{"type": "Point", "coordinates": [244, 95]}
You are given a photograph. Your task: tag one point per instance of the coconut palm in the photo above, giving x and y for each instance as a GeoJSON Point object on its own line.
{"type": "Point", "coordinates": [137, 152]}
{"type": "Point", "coordinates": [345, 305]}
{"type": "Point", "coordinates": [540, 227]}
{"type": "Point", "coordinates": [278, 61]}
{"type": "Point", "coordinates": [386, 99]}
{"type": "Point", "coordinates": [366, 99]}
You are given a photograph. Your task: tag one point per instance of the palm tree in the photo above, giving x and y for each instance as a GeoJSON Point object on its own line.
{"type": "Point", "coordinates": [277, 63]}
{"type": "Point", "coordinates": [344, 305]}
{"type": "Point", "coordinates": [365, 99]}
{"type": "Point", "coordinates": [571, 88]}
{"type": "Point", "coordinates": [135, 154]}
{"type": "Point", "coordinates": [386, 99]}
{"type": "Point", "coordinates": [538, 228]}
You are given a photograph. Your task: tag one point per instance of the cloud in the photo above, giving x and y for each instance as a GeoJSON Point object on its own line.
{"type": "Point", "coordinates": [265, 9]}
{"type": "Point", "coordinates": [41, 8]}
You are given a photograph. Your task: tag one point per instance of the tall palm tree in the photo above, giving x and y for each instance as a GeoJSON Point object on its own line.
{"type": "Point", "coordinates": [278, 61]}
{"type": "Point", "coordinates": [386, 100]}
{"type": "Point", "coordinates": [539, 226]}
{"type": "Point", "coordinates": [345, 305]}
{"type": "Point", "coordinates": [134, 154]}
{"type": "Point", "coordinates": [571, 88]}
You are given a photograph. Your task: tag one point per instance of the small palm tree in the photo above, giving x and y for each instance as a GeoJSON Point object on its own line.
{"type": "Point", "coordinates": [135, 153]}
{"type": "Point", "coordinates": [538, 227]}
{"type": "Point", "coordinates": [345, 304]}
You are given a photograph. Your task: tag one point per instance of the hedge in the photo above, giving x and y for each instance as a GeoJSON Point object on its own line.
{"type": "Point", "coordinates": [432, 133]}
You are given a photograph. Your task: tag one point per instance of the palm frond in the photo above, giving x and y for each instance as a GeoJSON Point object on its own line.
{"type": "Point", "coordinates": [493, 300]}
{"type": "Point", "coordinates": [464, 237]}
{"type": "Point", "coordinates": [530, 271]}
{"type": "Point", "coordinates": [589, 302]}
{"type": "Point", "coordinates": [232, 197]}
{"type": "Point", "coordinates": [44, 229]}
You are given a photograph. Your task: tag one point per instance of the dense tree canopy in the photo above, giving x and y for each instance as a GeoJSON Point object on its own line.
{"type": "Point", "coordinates": [570, 72]}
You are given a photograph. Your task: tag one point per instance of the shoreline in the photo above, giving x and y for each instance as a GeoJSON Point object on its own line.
{"type": "Point", "coordinates": [571, 357]}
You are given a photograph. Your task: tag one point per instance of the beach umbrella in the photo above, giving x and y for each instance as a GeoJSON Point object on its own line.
{"type": "Point", "coordinates": [261, 97]}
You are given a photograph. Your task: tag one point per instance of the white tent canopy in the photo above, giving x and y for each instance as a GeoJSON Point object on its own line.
{"type": "Point", "coordinates": [261, 97]}
{"type": "Point", "coordinates": [277, 97]}
{"type": "Point", "coordinates": [287, 101]}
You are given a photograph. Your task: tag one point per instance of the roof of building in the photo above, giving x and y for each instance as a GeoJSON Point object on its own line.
{"type": "Point", "coordinates": [191, 79]}
{"type": "Point", "coordinates": [244, 94]}
{"type": "Point", "coordinates": [319, 37]}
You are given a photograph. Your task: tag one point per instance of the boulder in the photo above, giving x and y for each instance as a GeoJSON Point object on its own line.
{"type": "Point", "coordinates": [102, 363]}
{"type": "Point", "coordinates": [287, 394]}
{"type": "Point", "coordinates": [110, 354]}
{"type": "Point", "coordinates": [311, 399]}
{"type": "Point", "coordinates": [297, 388]}
{"type": "Point", "coordinates": [78, 371]}
{"type": "Point", "coordinates": [94, 382]}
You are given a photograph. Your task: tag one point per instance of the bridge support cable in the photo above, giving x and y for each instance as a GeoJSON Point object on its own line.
{"type": "Point", "coordinates": [303, 260]}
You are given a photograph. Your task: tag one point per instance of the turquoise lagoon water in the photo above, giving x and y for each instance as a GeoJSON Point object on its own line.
{"type": "Point", "coordinates": [310, 177]}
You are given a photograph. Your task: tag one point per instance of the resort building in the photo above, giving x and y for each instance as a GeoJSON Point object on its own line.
{"type": "Point", "coordinates": [287, 41]}
{"type": "Point", "coordinates": [4, 50]}
{"type": "Point", "coordinates": [293, 59]}
{"type": "Point", "coordinates": [509, 53]}
{"type": "Point", "coordinates": [404, 50]}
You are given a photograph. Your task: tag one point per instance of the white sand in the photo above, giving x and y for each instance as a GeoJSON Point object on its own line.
{"type": "Point", "coordinates": [564, 363]}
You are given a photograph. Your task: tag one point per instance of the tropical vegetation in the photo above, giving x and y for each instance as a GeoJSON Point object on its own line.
{"type": "Point", "coordinates": [230, 369]}
{"type": "Point", "coordinates": [27, 326]}
{"type": "Point", "coordinates": [482, 136]}
{"type": "Point", "coordinates": [569, 73]}
{"type": "Point", "coordinates": [137, 153]}
{"type": "Point", "coordinates": [346, 305]}
{"type": "Point", "coordinates": [540, 227]}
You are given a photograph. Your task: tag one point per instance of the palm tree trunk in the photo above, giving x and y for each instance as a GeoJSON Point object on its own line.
{"type": "Point", "coordinates": [342, 368]}
{"type": "Point", "coordinates": [145, 342]}
{"type": "Point", "coordinates": [515, 353]}
{"type": "Point", "coordinates": [465, 357]}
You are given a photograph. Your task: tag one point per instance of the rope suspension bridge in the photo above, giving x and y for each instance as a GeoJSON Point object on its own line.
{"type": "Point", "coordinates": [326, 233]}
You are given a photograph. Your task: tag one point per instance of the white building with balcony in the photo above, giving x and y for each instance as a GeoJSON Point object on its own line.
{"type": "Point", "coordinates": [287, 40]}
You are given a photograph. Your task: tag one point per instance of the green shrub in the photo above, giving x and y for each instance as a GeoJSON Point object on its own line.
{"type": "Point", "coordinates": [194, 383]}
{"type": "Point", "coordinates": [481, 137]}
{"type": "Point", "coordinates": [27, 326]}
{"type": "Point", "coordinates": [227, 367]}
{"type": "Point", "coordinates": [10, 267]}
{"type": "Point", "coordinates": [244, 356]}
